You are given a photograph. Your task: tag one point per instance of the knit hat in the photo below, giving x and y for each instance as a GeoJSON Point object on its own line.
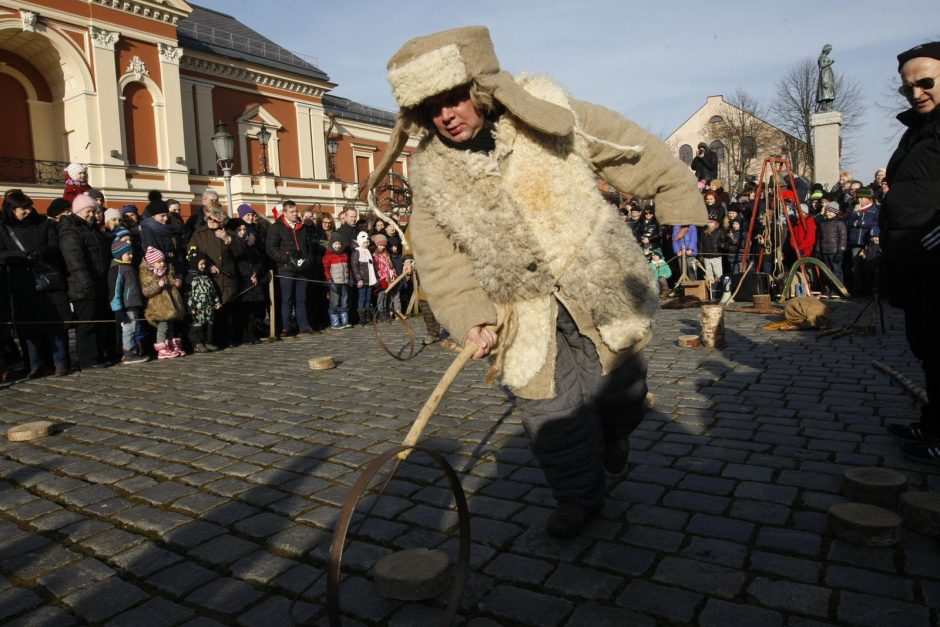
{"type": "Point", "coordinates": [74, 170]}
{"type": "Point", "coordinates": [96, 194]}
{"type": "Point", "coordinates": [82, 201]}
{"type": "Point", "coordinates": [110, 214]}
{"type": "Point", "coordinates": [152, 256]}
{"type": "Point", "coordinates": [57, 207]}
{"type": "Point", "coordinates": [657, 251]}
{"type": "Point", "coordinates": [157, 207]}
{"type": "Point", "coordinates": [863, 192]}
{"type": "Point", "coordinates": [119, 247]}
{"type": "Point", "coordinates": [127, 209]}
{"type": "Point", "coordinates": [362, 237]}
{"type": "Point", "coordinates": [336, 238]}
{"type": "Point", "coordinates": [244, 209]}
{"type": "Point", "coordinates": [379, 240]}
{"type": "Point", "coordinates": [930, 50]}
{"type": "Point", "coordinates": [833, 207]}
{"type": "Point", "coordinates": [817, 195]}
{"type": "Point", "coordinates": [434, 64]}
{"type": "Point", "coordinates": [120, 232]}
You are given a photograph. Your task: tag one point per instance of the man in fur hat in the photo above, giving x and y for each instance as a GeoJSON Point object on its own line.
{"type": "Point", "coordinates": [520, 253]}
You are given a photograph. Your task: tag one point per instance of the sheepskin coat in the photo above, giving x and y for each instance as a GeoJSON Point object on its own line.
{"type": "Point", "coordinates": [505, 237]}
{"type": "Point", "coordinates": [163, 302]}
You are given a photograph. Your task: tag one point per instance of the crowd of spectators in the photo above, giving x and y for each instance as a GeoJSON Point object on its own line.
{"type": "Point", "coordinates": [141, 284]}
{"type": "Point", "coordinates": [838, 226]}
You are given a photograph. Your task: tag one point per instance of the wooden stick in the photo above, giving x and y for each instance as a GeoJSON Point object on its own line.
{"type": "Point", "coordinates": [424, 416]}
{"type": "Point", "coordinates": [395, 282]}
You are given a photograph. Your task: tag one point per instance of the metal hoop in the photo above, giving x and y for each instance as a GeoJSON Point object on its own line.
{"type": "Point", "coordinates": [408, 330]}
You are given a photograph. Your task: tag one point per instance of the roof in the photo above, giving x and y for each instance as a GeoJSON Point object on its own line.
{"type": "Point", "coordinates": [218, 33]}
{"type": "Point", "coordinates": [728, 104]}
{"type": "Point", "coordinates": [345, 108]}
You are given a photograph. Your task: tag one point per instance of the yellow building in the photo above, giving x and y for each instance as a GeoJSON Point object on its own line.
{"type": "Point", "coordinates": [134, 89]}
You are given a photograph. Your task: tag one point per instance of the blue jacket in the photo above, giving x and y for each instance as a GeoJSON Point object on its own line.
{"type": "Point", "coordinates": [690, 241]}
{"type": "Point", "coordinates": [862, 225]}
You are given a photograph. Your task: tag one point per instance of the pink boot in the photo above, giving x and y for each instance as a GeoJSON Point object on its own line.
{"type": "Point", "coordinates": [177, 346]}
{"type": "Point", "coordinates": [165, 351]}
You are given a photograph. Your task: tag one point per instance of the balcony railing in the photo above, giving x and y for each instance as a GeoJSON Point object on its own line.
{"type": "Point", "coordinates": [32, 171]}
{"type": "Point", "coordinates": [234, 41]}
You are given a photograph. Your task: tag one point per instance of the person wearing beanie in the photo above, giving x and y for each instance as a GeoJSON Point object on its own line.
{"type": "Point", "coordinates": [712, 247]}
{"type": "Point", "coordinates": [219, 243]}
{"type": "Point", "coordinates": [385, 273]}
{"type": "Point", "coordinates": [862, 224]}
{"type": "Point", "coordinates": [160, 285]}
{"type": "Point", "coordinates": [202, 301]}
{"type": "Point", "coordinates": [336, 271]}
{"type": "Point", "coordinates": [661, 272]}
{"type": "Point", "coordinates": [253, 278]}
{"type": "Point", "coordinates": [58, 209]}
{"type": "Point", "coordinates": [243, 210]}
{"type": "Point", "coordinates": [126, 300]}
{"type": "Point", "coordinates": [76, 181]}
{"type": "Point", "coordinates": [112, 220]}
{"type": "Point", "coordinates": [566, 311]}
{"type": "Point", "coordinates": [87, 254]}
{"type": "Point", "coordinates": [364, 277]}
{"type": "Point", "coordinates": [156, 231]}
{"type": "Point", "coordinates": [294, 248]}
{"type": "Point", "coordinates": [705, 164]}
{"type": "Point", "coordinates": [831, 240]}
{"type": "Point", "coordinates": [910, 238]}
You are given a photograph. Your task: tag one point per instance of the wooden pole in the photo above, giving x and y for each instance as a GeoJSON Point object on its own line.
{"type": "Point", "coordinates": [713, 326]}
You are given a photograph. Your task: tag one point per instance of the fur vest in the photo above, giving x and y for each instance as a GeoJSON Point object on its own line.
{"type": "Point", "coordinates": [531, 220]}
{"type": "Point", "coordinates": [165, 303]}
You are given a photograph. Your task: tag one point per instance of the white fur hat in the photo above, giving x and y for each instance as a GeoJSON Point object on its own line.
{"type": "Point", "coordinates": [75, 169]}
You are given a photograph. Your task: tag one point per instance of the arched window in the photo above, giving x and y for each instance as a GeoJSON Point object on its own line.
{"type": "Point", "coordinates": [715, 119]}
{"type": "Point", "coordinates": [685, 154]}
{"type": "Point", "coordinates": [719, 149]}
{"type": "Point", "coordinates": [139, 126]}
{"type": "Point", "coordinates": [17, 141]}
{"type": "Point", "coordinates": [748, 147]}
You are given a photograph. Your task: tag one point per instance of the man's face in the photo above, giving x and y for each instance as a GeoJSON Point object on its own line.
{"type": "Point", "coordinates": [162, 218]}
{"type": "Point", "coordinates": [351, 217]}
{"type": "Point", "coordinates": [210, 197]}
{"type": "Point", "coordinates": [291, 213]}
{"type": "Point", "coordinates": [923, 101]}
{"type": "Point", "coordinates": [454, 115]}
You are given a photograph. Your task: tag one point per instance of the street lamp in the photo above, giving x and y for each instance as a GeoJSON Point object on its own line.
{"type": "Point", "coordinates": [332, 146]}
{"type": "Point", "coordinates": [264, 136]}
{"type": "Point", "coordinates": [224, 145]}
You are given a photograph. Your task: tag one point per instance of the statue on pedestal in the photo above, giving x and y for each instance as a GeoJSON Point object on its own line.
{"type": "Point", "coordinates": [826, 86]}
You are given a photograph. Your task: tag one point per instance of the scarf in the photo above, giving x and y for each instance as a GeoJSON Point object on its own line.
{"type": "Point", "coordinates": [366, 257]}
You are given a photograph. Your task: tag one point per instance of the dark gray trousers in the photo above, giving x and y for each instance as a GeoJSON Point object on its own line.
{"type": "Point", "coordinates": [568, 433]}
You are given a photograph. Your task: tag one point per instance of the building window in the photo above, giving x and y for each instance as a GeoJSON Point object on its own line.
{"type": "Point", "coordinates": [140, 129]}
{"type": "Point", "coordinates": [685, 154]}
{"type": "Point", "coordinates": [749, 147]}
{"type": "Point", "coordinates": [719, 149]}
{"type": "Point", "coordinates": [715, 119]}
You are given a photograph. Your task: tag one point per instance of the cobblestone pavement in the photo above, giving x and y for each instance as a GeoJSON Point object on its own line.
{"type": "Point", "coordinates": [203, 490]}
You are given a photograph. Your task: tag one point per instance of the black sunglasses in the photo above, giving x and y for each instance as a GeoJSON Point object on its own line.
{"type": "Point", "coordinates": [924, 83]}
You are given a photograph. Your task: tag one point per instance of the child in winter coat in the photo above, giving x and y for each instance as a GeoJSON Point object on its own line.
{"type": "Point", "coordinates": [363, 270]}
{"type": "Point", "coordinates": [202, 301]}
{"type": "Point", "coordinates": [161, 288]}
{"type": "Point", "coordinates": [127, 301]}
{"type": "Point", "coordinates": [712, 246]}
{"type": "Point", "coordinates": [336, 271]}
{"type": "Point", "coordinates": [661, 271]}
{"type": "Point", "coordinates": [76, 181]}
{"type": "Point", "coordinates": [385, 271]}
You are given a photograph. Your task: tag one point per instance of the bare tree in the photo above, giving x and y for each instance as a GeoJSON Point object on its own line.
{"type": "Point", "coordinates": [795, 104]}
{"type": "Point", "coordinates": [744, 136]}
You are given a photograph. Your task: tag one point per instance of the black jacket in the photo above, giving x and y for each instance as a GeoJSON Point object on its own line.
{"type": "Point", "coordinates": [87, 254]}
{"type": "Point", "coordinates": [38, 234]}
{"type": "Point", "coordinates": [706, 168]}
{"type": "Point", "coordinates": [285, 246]}
{"type": "Point", "coordinates": [165, 238]}
{"type": "Point", "coordinates": [911, 208]}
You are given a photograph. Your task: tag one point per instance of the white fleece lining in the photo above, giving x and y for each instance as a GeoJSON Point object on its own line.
{"type": "Point", "coordinates": [427, 75]}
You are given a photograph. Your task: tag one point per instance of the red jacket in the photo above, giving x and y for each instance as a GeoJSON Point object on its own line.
{"type": "Point", "coordinates": [336, 267]}
{"type": "Point", "coordinates": [804, 235]}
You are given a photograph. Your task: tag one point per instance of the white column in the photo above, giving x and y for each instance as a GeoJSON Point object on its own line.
{"type": "Point", "coordinates": [190, 138]}
{"type": "Point", "coordinates": [826, 147]}
{"type": "Point", "coordinates": [304, 140]}
{"type": "Point", "coordinates": [174, 131]}
{"type": "Point", "coordinates": [318, 126]}
{"type": "Point", "coordinates": [110, 131]}
{"type": "Point", "coordinates": [206, 123]}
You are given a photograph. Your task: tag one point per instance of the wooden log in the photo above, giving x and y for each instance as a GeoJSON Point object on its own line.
{"type": "Point", "coordinates": [30, 430]}
{"type": "Point", "coordinates": [713, 326]}
{"type": "Point", "coordinates": [761, 301]}
{"type": "Point", "coordinates": [689, 341]}
{"type": "Point", "coordinates": [860, 523]}
{"type": "Point", "coordinates": [412, 574]}
{"type": "Point", "coordinates": [321, 363]}
{"type": "Point", "coordinates": [921, 512]}
{"type": "Point", "coordinates": [875, 486]}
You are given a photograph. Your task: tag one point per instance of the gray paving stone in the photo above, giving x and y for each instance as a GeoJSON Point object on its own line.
{"type": "Point", "coordinates": [45, 616]}
{"type": "Point", "coordinates": [145, 559]}
{"type": "Point", "coordinates": [668, 602]}
{"type": "Point", "coordinates": [518, 569]}
{"type": "Point", "coordinates": [280, 610]}
{"type": "Point", "coordinates": [223, 550]}
{"type": "Point", "coordinates": [15, 601]}
{"type": "Point", "coordinates": [720, 527]}
{"type": "Point", "coordinates": [261, 567]}
{"type": "Point", "coordinates": [789, 540]}
{"type": "Point", "coordinates": [806, 571]}
{"type": "Point", "coordinates": [870, 582]}
{"type": "Point", "coordinates": [525, 607]}
{"type": "Point", "coordinates": [589, 614]}
{"type": "Point", "coordinates": [712, 579]}
{"type": "Point", "coordinates": [871, 611]}
{"type": "Point", "coordinates": [225, 596]}
{"type": "Point", "coordinates": [797, 598]}
{"type": "Point", "coordinates": [101, 600]}
{"type": "Point", "coordinates": [156, 612]}
{"type": "Point", "coordinates": [718, 613]}
{"type": "Point", "coordinates": [181, 579]}
{"type": "Point", "coordinates": [65, 580]}
{"type": "Point", "coordinates": [716, 551]}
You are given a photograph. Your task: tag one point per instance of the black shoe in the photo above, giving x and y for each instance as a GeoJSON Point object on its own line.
{"type": "Point", "coordinates": [615, 455]}
{"type": "Point", "coordinates": [569, 520]}
{"type": "Point", "coordinates": [35, 373]}
{"type": "Point", "coordinates": [923, 452]}
{"type": "Point", "coordinates": [912, 433]}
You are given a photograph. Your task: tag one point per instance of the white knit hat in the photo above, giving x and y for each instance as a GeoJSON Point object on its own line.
{"type": "Point", "coordinates": [75, 169]}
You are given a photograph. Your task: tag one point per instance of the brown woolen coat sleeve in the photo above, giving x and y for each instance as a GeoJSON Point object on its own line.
{"type": "Point", "coordinates": [446, 275]}
{"type": "Point", "coordinates": [655, 173]}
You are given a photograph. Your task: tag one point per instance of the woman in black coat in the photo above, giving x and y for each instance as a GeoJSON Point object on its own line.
{"type": "Point", "coordinates": [28, 243]}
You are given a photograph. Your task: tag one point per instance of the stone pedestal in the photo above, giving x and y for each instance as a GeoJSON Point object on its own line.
{"type": "Point", "coordinates": [826, 147]}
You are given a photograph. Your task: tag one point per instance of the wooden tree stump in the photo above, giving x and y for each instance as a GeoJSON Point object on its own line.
{"type": "Point", "coordinates": [921, 512]}
{"type": "Point", "coordinates": [30, 430]}
{"type": "Point", "coordinates": [875, 486]}
{"type": "Point", "coordinates": [713, 326]}
{"type": "Point", "coordinates": [761, 301]}
{"type": "Point", "coordinates": [689, 341]}
{"type": "Point", "coordinates": [860, 523]}
{"type": "Point", "coordinates": [412, 574]}
{"type": "Point", "coordinates": [322, 363]}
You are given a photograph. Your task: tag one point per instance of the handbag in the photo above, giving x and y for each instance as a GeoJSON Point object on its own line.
{"type": "Point", "coordinates": [45, 277]}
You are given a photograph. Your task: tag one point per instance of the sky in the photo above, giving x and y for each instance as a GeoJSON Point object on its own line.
{"type": "Point", "coordinates": [655, 62]}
